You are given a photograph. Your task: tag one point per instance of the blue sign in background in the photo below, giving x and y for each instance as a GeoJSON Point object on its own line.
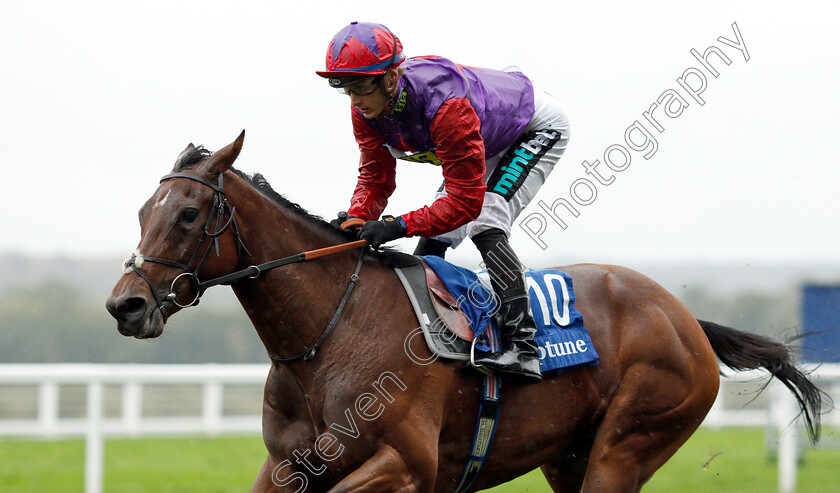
{"type": "Point", "coordinates": [821, 314]}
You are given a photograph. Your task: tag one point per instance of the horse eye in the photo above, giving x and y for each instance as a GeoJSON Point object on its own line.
{"type": "Point", "coordinates": [190, 215]}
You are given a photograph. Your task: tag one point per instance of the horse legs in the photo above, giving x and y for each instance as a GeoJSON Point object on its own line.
{"type": "Point", "coordinates": [266, 482]}
{"type": "Point", "coordinates": [262, 483]}
{"type": "Point", "coordinates": [385, 471]}
{"type": "Point", "coordinates": [565, 474]}
{"type": "Point", "coordinates": [642, 429]}
{"type": "Point", "coordinates": [389, 471]}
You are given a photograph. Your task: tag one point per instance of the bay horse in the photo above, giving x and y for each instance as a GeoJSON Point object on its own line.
{"type": "Point", "coordinates": [361, 415]}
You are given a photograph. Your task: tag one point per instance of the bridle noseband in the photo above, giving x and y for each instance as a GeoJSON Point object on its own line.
{"type": "Point", "coordinates": [222, 208]}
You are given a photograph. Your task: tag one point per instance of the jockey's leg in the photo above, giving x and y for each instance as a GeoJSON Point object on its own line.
{"type": "Point", "coordinates": [532, 156]}
{"type": "Point", "coordinates": [513, 178]}
{"type": "Point", "coordinates": [519, 354]}
{"type": "Point", "coordinates": [512, 181]}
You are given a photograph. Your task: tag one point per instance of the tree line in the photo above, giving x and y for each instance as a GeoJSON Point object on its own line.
{"type": "Point", "coordinates": [58, 322]}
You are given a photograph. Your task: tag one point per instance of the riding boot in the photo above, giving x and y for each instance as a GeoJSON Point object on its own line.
{"type": "Point", "coordinates": [519, 355]}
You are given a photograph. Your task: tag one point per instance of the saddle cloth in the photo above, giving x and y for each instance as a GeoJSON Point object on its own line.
{"type": "Point", "coordinates": [455, 307]}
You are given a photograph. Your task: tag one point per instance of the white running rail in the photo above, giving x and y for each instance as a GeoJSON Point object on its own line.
{"type": "Point", "coordinates": [213, 379]}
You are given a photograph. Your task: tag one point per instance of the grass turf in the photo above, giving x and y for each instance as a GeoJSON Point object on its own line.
{"type": "Point", "coordinates": [230, 464]}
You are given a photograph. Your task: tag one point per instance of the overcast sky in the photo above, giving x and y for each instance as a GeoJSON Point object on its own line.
{"type": "Point", "coordinates": [98, 98]}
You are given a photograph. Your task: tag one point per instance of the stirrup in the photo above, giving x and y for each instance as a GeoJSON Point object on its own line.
{"type": "Point", "coordinates": [481, 368]}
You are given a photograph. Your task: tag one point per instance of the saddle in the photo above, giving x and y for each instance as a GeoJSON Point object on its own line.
{"type": "Point", "coordinates": [446, 329]}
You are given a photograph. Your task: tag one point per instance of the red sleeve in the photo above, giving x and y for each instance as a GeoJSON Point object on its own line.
{"type": "Point", "coordinates": [456, 133]}
{"type": "Point", "coordinates": [377, 172]}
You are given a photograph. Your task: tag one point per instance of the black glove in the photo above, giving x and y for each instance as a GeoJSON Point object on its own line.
{"type": "Point", "coordinates": [342, 216]}
{"type": "Point", "coordinates": [386, 229]}
{"type": "Point", "coordinates": [350, 232]}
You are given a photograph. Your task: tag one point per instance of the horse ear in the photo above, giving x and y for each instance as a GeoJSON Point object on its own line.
{"type": "Point", "coordinates": [187, 151]}
{"type": "Point", "coordinates": [223, 159]}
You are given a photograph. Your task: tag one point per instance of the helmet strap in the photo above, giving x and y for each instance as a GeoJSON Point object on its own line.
{"type": "Point", "coordinates": [389, 108]}
{"type": "Point", "coordinates": [391, 97]}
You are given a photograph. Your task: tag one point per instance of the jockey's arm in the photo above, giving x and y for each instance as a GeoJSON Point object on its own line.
{"type": "Point", "coordinates": [377, 172]}
{"type": "Point", "coordinates": [455, 130]}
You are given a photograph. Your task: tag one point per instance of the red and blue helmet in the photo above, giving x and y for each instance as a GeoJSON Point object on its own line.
{"type": "Point", "coordinates": [362, 49]}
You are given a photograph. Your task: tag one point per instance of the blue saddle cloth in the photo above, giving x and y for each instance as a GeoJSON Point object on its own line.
{"type": "Point", "coordinates": [562, 339]}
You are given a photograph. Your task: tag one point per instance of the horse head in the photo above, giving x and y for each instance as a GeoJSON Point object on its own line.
{"type": "Point", "coordinates": [187, 233]}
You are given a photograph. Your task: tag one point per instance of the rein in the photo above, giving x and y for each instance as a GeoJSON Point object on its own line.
{"type": "Point", "coordinates": [220, 205]}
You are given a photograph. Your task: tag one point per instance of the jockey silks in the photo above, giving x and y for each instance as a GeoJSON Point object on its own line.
{"type": "Point", "coordinates": [446, 114]}
{"type": "Point", "coordinates": [503, 101]}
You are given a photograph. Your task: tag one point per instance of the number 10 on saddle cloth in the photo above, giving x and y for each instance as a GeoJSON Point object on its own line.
{"type": "Point", "coordinates": [562, 340]}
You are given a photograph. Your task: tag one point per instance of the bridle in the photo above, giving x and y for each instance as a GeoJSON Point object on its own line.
{"type": "Point", "coordinates": [221, 208]}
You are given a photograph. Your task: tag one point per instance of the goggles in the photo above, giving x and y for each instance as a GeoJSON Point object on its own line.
{"type": "Point", "coordinates": [355, 85]}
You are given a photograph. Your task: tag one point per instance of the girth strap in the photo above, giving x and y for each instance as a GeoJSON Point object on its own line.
{"type": "Point", "coordinates": [485, 430]}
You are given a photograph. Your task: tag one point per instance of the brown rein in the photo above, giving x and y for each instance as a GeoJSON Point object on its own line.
{"type": "Point", "coordinates": [254, 271]}
{"type": "Point", "coordinates": [323, 252]}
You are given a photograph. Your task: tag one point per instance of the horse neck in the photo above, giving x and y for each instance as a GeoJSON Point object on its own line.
{"type": "Point", "coordinates": [281, 302]}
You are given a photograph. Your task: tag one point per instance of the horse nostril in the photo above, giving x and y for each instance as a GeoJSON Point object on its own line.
{"type": "Point", "coordinates": [130, 308]}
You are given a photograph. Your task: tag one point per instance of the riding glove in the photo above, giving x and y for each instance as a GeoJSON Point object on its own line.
{"type": "Point", "coordinates": [386, 229]}
{"type": "Point", "coordinates": [342, 216]}
{"type": "Point", "coordinates": [350, 232]}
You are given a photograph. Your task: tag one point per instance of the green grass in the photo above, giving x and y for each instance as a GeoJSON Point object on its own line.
{"type": "Point", "coordinates": [737, 463]}
{"type": "Point", "coordinates": [230, 464]}
{"type": "Point", "coordinates": [144, 465]}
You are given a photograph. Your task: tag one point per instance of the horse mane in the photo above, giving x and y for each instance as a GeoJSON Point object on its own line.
{"type": "Point", "coordinates": [190, 158]}
{"type": "Point", "coordinates": [259, 183]}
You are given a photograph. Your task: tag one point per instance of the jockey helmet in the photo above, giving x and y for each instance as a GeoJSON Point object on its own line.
{"type": "Point", "coordinates": [362, 49]}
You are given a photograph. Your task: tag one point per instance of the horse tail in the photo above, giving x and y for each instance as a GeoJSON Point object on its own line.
{"type": "Point", "coordinates": [746, 351]}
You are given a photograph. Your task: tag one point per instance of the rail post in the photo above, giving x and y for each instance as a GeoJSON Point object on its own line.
{"type": "Point", "coordinates": [94, 443]}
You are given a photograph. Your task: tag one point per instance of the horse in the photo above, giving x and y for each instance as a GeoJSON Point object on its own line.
{"type": "Point", "coordinates": [361, 414]}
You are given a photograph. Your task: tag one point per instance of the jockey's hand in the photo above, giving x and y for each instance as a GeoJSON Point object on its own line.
{"type": "Point", "coordinates": [352, 231]}
{"type": "Point", "coordinates": [386, 229]}
{"type": "Point", "coordinates": [342, 216]}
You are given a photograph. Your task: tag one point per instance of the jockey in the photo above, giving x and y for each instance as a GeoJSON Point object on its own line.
{"type": "Point", "coordinates": [495, 138]}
